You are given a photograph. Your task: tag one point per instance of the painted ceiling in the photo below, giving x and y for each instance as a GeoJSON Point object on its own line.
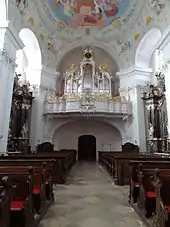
{"type": "Point", "coordinates": [97, 18]}
{"type": "Point", "coordinates": [118, 25]}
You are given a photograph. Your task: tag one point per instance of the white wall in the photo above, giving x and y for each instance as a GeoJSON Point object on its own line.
{"type": "Point", "coordinates": [107, 136]}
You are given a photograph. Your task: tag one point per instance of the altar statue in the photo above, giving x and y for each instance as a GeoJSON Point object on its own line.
{"type": "Point", "coordinates": [24, 131]}
{"type": "Point", "coordinates": [151, 131]}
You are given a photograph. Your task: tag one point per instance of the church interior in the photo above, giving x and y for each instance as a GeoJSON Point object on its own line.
{"type": "Point", "coordinates": [84, 113]}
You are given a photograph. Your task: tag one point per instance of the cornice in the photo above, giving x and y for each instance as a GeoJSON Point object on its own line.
{"type": "Point", "coordinates": [50, 71]}
{"type": "Point", "coordinates": [6, 27]}
{"type": "Point", "coordinates": [135, 71]}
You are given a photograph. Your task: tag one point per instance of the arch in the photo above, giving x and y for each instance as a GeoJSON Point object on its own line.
{"type": "Point", "coordinates": [31, 57]}
{"type": "Point", "coordinates": [3, 10]}
{"type": "Point", "coordinates": [104, 133]}
{"type": "Point", "coordinates": [55, 128]}
{"type": "Point", "coordinates": [146, 48]}
{"type": "Point", "coordinates": [110, 52]}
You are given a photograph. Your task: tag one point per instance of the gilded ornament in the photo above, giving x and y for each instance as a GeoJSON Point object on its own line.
{"type": "Point", "coordinates": [136, 36]}
{"type": "Point", "coordinates": [42, 37]}
{"type": "Point", "coordinates": [51, 45]}
{"type": "Point", "coordinates": [32, 21]}
{"type": "Point", "coordinates": [103, 67]}
{"type": "Point", "coordinates": [148, 20]}
{"type": "Point", "coordinates": [73, 67]}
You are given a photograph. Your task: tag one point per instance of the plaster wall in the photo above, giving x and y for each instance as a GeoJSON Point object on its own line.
{"type": "Point", "coordinates": [107, 137]}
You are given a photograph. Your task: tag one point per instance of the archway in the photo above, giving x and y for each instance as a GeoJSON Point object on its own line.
{"type": "Point", "coordinates": [29, 60]}
{"type": "Point", "coordinates": [87, 147]}
{"type": "Point", "coordinates": [146, 48]}
{"type": "Point", "coordinates": [74, 56]}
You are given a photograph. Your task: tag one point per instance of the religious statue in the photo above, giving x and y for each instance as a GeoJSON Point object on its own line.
{"type": "Point", "coordinates": [24, 131]}
{"type": "Point", "coordinates": [151, 131]}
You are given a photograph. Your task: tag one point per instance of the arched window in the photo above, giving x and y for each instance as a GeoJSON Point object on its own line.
{"type": "Point", "coordinates": [29, 59]}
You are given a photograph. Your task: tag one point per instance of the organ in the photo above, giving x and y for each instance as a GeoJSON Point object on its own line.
{"type": "Point", "coordinates": [87, 77]}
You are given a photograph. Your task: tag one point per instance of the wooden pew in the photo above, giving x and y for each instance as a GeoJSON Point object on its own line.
{"type": "Point", "coordinates": [135, 166]}
{"type": "Point", "coordinates": [147, 196]}
{"type": "Point", "coordinates": [120, 164]}
{"type": "Point", "coordinates": [41, 185]}
{"type": "Point", "coordinates": [6, 192]}
{"type": "Point", "coordinates": [161, 184]}
{"type": "Point", "coordinates": [62, 162]}
{"type": "Point", "coordinates": [21, 209]}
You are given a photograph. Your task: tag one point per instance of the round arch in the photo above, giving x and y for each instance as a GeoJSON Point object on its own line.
{"type": "Point", "coordinates": [32, 57]}
{"type": "Point", "coordinates": [110, 52]}
{"type": "Point", "coordinates": [147, 47]}
{"type": "Point", "coordinates": [4, 10]}
{"type": "Point", "coordinates": [106, 134]}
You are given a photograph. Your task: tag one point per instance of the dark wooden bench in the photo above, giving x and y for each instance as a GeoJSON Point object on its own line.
{"type": "Point", "coordinates": [62, 162]}
{"type": "Point", "coordinates": [21, 209]}
{"type": "Point", "coordinates": [161, 184]}
{"type": "Point", "coordinates": [118, 164]}
{"type": "Point", "coordinates": [6, 193]}
{"type": "Point", "coordinates": [135, 166]}
{"type": "Point", "coordinates": [146, 201]}
{"type": "Point", "coordinates": [42, 187]}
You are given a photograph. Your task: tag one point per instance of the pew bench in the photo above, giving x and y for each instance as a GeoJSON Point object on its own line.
{"type": "Point", "coordinates": [135, 165]}
{"type": "Point", "coordinates": [161, 184]}
{"type": "Point", "coordinates": [6, 193]}
{"type": "Point", "coordinates": [148, 200]}
{"type": "Point", "coordinates": [62, 162]}
{"type": "Point", "coordinates": [21, 212]}
{"type": "Point", "coordinates": [39, 190]}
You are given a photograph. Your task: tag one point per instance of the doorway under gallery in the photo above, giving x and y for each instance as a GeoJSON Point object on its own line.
{"type": "Point", "coordinates": [87, 148]}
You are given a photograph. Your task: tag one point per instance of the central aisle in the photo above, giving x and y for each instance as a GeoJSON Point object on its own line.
{"type": "Point", "coordinates": [90, 200]}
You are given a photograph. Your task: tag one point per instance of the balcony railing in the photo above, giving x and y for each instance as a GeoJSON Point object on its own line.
{"type": "Point", "coordinates": [75, 106]}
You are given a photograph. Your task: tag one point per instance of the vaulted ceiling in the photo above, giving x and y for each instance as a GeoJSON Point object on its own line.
{"type": "Point", "coordinates": [115, 24]}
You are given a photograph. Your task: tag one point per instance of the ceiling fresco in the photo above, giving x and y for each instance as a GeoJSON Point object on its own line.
{"type": "Point", "coordinates": [88, 13]}
{"type": "Point", "coordinates": [78, 17]}
{"type": "Point", "coordinates": [115, 25]}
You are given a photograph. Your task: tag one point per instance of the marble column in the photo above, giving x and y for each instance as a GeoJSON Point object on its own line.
{"type": "Point", "coordinates": [133, 82]}
{"type": "Point", "coordinates": [48, 81]}
{"type": "Point", "coordinates": [9, 44]}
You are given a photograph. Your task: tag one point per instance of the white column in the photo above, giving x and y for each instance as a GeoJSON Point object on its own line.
{"type": "Point", "coordinates": [9, 44]}
{"type": "Point", "coordinates": [49, 79]}
{"type": "Point", "coordinates": [133, 81]}
{"type": "Point", "coordinates": [155, 66]}
{"type": "Point", "coordinates": [167, 85]}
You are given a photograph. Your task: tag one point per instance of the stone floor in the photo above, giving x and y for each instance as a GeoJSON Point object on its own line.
{"type": "Point", "coordinates": [90, 199]}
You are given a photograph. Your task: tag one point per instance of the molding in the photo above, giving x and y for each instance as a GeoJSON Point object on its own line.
{"type": "Point", "coordinates": [12, 34]}
{"type": "Point", "coordinates": [134, 71]}
{"type": "Point", "coordinates": [164, 40]}
{"type": "Point", "coordinates": [50, 71]}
